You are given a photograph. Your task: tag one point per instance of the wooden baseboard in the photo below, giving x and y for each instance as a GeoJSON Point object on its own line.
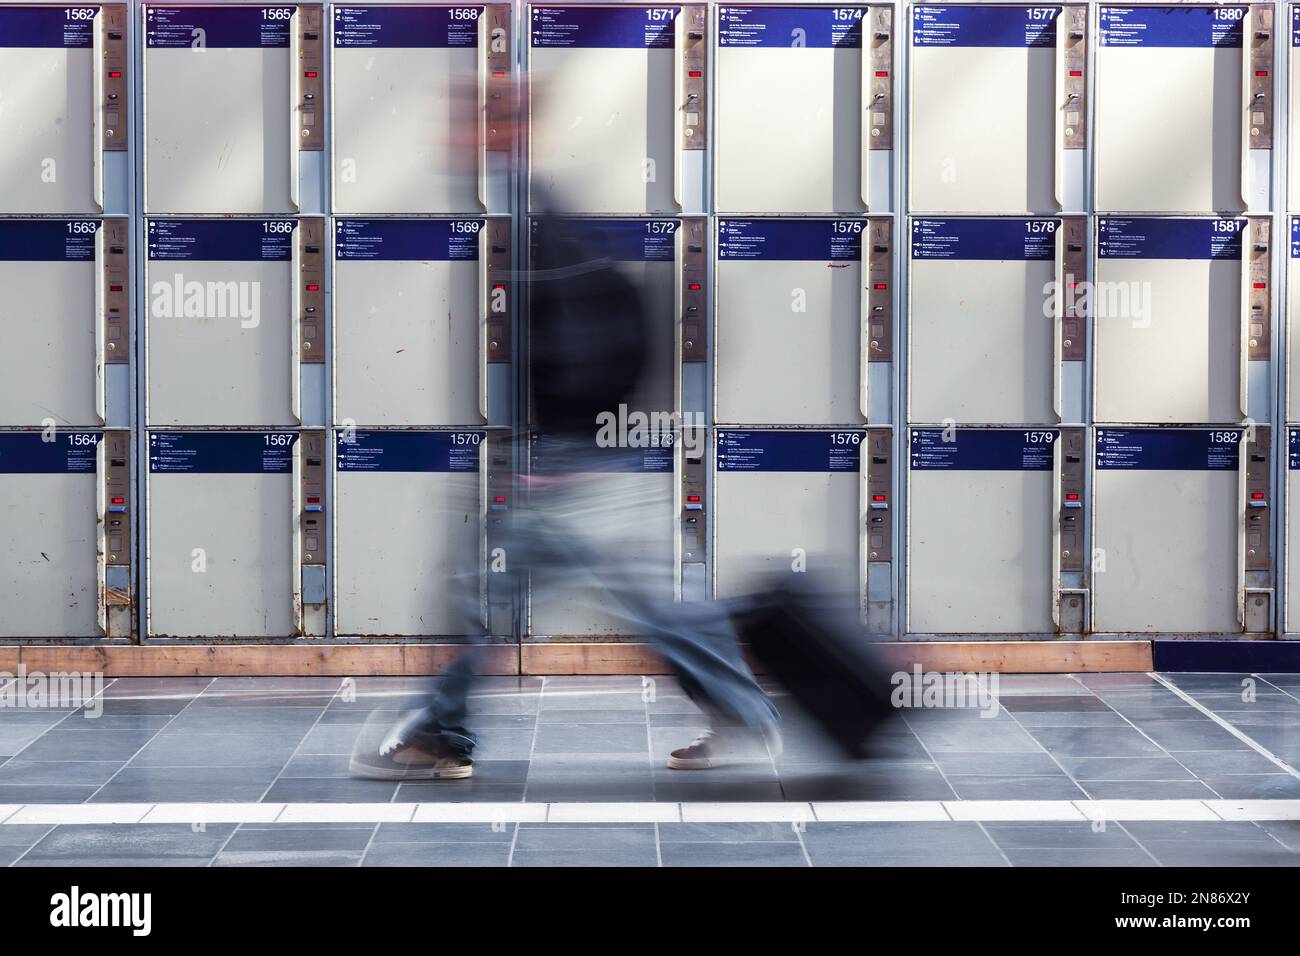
{"type": "Point", "coordinates": [396, 660]}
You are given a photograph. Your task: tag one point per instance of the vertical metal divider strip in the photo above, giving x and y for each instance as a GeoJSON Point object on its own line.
{"type": "Point", "coordinates": [902, 243]}
{"type": "Point", "coordinates": [1280, 202]}
{"type": "Point", "coordinates": [710, 397]}
{"type": "Point", "coordinates": [97, 110]}
{"type": "Point", "coordinates": [137, 244]}
{"type": "Point", "coordinates": [679, 463]}
{"type": "Point", "coordinates": [99, 321]}
{"type": "Point", "coordinates": [1090, 231]}
{"type": "Point", "coordinates": [329, 418]}
{"type": "Point", "coordinates": [295, 157]}
{"type": "Point", "coordinates": [520, 170]}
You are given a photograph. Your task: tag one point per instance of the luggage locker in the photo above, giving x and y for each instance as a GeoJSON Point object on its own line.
{"type": "Point", "coordinates": [421, 108]}
{"type": "Point", "coordinates": [224, 553]}
{"type": "Point", "coordinates": [1181, 318]}
{"type": "Point", "coordinates": [805, 109]}
{"type": "Point", "coordinates": [63, 93]}
{"type": "Point", "coordinates": [999, 108]}
{"type": "Point", "coordinates": [421, 321]}
{"type": "Point", "coordinates": [65, 526]}
{"type": "Point", "coordinates": [66, 316]}
{"type": "Point", "coordinates": [235, 317]}
{"type": "Point", "coordinates": [1184, 108]}
{"type": "Point", "coordinates": [996, 327]}
{"type": "Point", "coordinates": [409, 532]}
{"type": "Point", "coordinates": [618, 119]}
{"type": "Point", "coordinates": [804, 328]}
{"type": "Point", "coordinates": [1291, 529]}
{"type": "Point", "coordinates": [1181, 530]}
{"type": "Point", "coordinates": [233, 102]}
{"type": "Point", "coordinates": [993, 519]}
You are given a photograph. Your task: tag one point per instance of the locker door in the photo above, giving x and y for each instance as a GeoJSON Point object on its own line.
{"type": "Point", "coordinates": [49, 529]}
{"type": "Point", "coordinates": [51, 365]}
{"type": "Point", "coordinates": [63, 96]}
{"type": "Point", "coordinates": [409, 305]}
{"type": "Point", "coordinates": [1169, 513]}
{"type": "Point", "coordinates": [226, 106]}
{"type": "Point", "coordinates": [793, 87]}
{"type": "Point", "coordinates": [1292, 530]}
{"type": "Point", "coordinates": [625, 497]}
{"type": "Point", "coordinates": [421, 112]}
{"type": "Point", "coordinates": [980, 517]}
{"type": "Point", "coordinates": [617, 103]}
{"type": "Point", "coordinates": [792, 333]}
{"type": "Point", "coordinates": [981, 346]}
{"type": "Point", "coordinates": [220, 342]}
{"type": "Point", "coordinates": [222, 553]}
{"type": "Point", "coordinates": [998, 119]}
{"type": "Point", "coordinates": [1168, 312]}
{"type": "Point", "coordinates": [807, 487]}
{"type": "Point", "coordinates": [1171, 110]}
{"type": "Point", "coordinates": [409, 521]}
{"type": "Point", "coordinates": [1293, 106]}
{"type": "Point", "coordinates": [1293, 324]}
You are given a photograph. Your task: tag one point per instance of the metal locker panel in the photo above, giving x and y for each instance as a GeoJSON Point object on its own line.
{"type": "Point", "coordinates": [406, 321]}
{"type": "Point", "coordinates": [643, 251]}
{"type": "Point", "coordinates": [1293, 324]}
{"type": "Point", "coordinates": [1291, 624]}
{"type": "Point", "coordinates": [1293, 108]}
{"type": "Point", "coordinates": [50, 364]}
{"type": "Point", "coordinates": [49, 532]}
{"type": "Point", "coordinates": [983, 112]}
{"type": "Point", "coordinates": [601, 81]}
{"type": "Point", "coordinates": [789, 93]}
{"type": "Point", "coordinates": [980, 531]}
{"type": "Point", "coordinates": [789, 304]}
{"type": "Point", "coordinates": [787, 502]}
{"type": "Point", "coordinates": [1167, 316]}
{"type": "Point", "coordinates": [1169, 109]}
{"type": "Point", "coordinates": [407, 532]}
{"type": "Point", "coordinates": [981, 333]}
{"type": "Point", "coordinates": [47, 81]}
{"type": "Point", "coordinates": [221, 534]}
{"type": "Point", "coordinates": [219, 330]}
{"type": "Point", "coordinates": [1165, 530]}
{"type": "Point", "coordinates": [219, 111]}
{"type": "Point", "coordinates": [403, 105]}
{"type": "Point", "coordinates": [626, 504]}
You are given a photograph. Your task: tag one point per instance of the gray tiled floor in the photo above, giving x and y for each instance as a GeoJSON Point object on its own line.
{"type": "Point", "coordinates": [601, 739]}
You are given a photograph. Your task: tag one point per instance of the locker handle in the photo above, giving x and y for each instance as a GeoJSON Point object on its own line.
{"type": "Point", "coordinates": [1056, 527]}
{"type": "Point", "coordinates": [101, 552]}
{"type": "Point", "coordinates": [295, 102]}
{"type": "Point", "coordinates": [295, 325]}
{"type": "Point", "coordinates": [480, 145]}
{"type": "Point", "coordinates": [679, 106]}
{"type": "Point", "coordinates": [1243, 343]}
{"type": "Point", "coordinates": [295, 536]}
{"type": "Point", "coordinates": [99, 321]}
{"type": "Point", "coordinates": [1058, 125]}
{"type": "Point", "coordinates": [97, 111]}
{"type": "Point", "coordinates": [1058, 318]}
{"type": "Point", "coordinates": [484, 304]}
{"type": "Point", "coordinates": [1242, 511]}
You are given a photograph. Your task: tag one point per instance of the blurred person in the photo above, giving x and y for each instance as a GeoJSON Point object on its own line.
{"type": "Point", "coordinates": [593, 348]}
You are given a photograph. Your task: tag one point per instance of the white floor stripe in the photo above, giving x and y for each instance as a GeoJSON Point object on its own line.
{"type": "Point", "coordinates": [891, 811]}
{"type": "Point", "coordinates": [1230, 728]}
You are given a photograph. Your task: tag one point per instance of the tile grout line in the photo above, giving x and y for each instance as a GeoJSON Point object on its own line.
{"type": "Point", "coordinates": [5, 762]}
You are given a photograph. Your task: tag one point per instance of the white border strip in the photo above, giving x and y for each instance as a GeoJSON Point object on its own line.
{"type": "Point", "coordinates": [891, 811]}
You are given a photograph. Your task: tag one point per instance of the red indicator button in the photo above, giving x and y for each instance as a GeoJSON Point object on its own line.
{"type": "Point", "coordinates": [498, 73]}
{"type": "Point", "coordinates": [694, 287]}
{"type": "Point", "coordinates": [313, 287]}
{"type": "Point", "coordinates": [313, 499]}
{"type": "Point", "coordinates": [499, 499]}
{"type": "Point", "coordinates": [1256, 495]}
{"type": "Point", "coordinates": [882, 73]}
{"type": "Point", "coordinates": [1261, 72]}
{"type": "Point", "coordinates": [119, 501]}
{"type": "Point", "coordinates": [1076, 72]}
{"type": "Point", "coordinates": [1072, 496]}
{"type": "Point", "coordinates": [877, 497]}
{"type": "Point", "coordinates": [692, 498]}
{"type": "Point", "coordinates": [1259, 285]}
{"type": "Point", "coordinates": [880, 285]}
{"type": "Point", "coordinates": [114, 74]}
{"type": "Point", "coordinates": [695, 73]}
{"type": "Point", "coordinates": [115, 288]}
{"type": "Point", "coordinates": [310, 74]}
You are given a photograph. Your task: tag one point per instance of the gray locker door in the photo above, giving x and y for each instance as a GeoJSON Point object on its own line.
{"type": "Point", "coordinates": [1170, 109]}
{"type": "Point", "coordinates": [1291, 623]}
{"type": "Point", "coordinates": [644, 251]}
{"type": "Point", "coordinates": [1166, 521]}
{"type": "Point", "coordinates": [47, 97]}
{"type": "Point", "coordinates": [51, 369]}
{"type": "Point", "coordinates": [980, 525]}
{"type": "Point", "coordinates": [790, 300]}
{"type": "Point", "coordinates": [404, 107]}
{"type": "Point", "coordinates": [408, 528]}
{"type": "Point", "coordinates": [789, 131]}
{"type": "Point", "coordinates": [1293, 108]}
{"type": "Point", "coordinates": [621, 514]}
{"type": "Point", "coordinates": [1293, 324]}
{"type": "Point", "coordinates": [219, 111]}
{"type": "Point", "coordinates": [983, 117]}
{"type": "Point", "coordinates": [220, 341]}
{"type": "Point", "coordinates": [221, 535]}
{"type": "Point", "coordinates": [49, 532]}
{"type": "Point", "coordinates": [1167, 307]}
{"type": "Point", "coordinates": [787, 502]}
{"type": "Point", "coordinates": [407, 304]}
{"type": "Point", "coordinates": [602, 109]}
{"type": "Point", "coordinates": [982, 349]}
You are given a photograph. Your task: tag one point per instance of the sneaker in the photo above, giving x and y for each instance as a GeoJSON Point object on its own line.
{"type": "Point", "coordinates": [400, 759]}
{"type": "Point", "coordinates": [713, 749]}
